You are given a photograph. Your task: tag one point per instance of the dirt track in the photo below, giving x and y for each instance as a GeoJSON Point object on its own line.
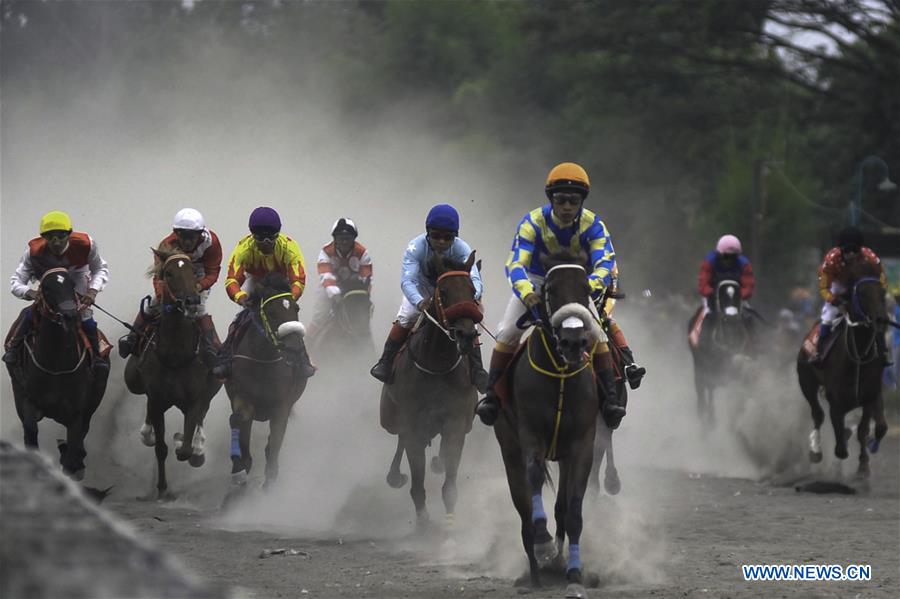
{"type": "Point", "coordinates": [689, 540]}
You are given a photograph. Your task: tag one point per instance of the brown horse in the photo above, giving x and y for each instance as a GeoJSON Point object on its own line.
{"type": "Point", "coordinates": [169, 369]}
{"type": "Point", "coordinates": [265, 383]}
{"type": "Point", "coordinates": [552, 415]}
{"type": "Point", "coordinates": [851, 371]}
{"type": "Point", "coordinates": [54, 377]}
{"type": "Point", "coordinates": [347, 335]}
{"type": "Point", "coordinates": [432, 392]}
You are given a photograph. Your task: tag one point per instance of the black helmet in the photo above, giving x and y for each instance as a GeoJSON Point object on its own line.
{"type": "Point", "coordinates": [850, 239]}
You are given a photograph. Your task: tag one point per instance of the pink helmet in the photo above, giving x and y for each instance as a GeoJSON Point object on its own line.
{"type": "Point", "coordinates": [728, 244]}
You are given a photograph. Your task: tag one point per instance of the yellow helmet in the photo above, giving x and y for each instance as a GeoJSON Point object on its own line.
{"type": "Point", "coordinates": [56, 221]}
{"type": "Point", "coordinates": [568, 176]}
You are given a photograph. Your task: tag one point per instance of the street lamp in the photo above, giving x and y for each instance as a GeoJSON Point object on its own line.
{"type": "Point", "coordinates": [885, 185]}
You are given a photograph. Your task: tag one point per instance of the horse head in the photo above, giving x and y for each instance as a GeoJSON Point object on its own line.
{"type": "Point", "coordinates": [278, 311]}
{"type": "Point", "coordinates": [179, 279]}
{"type": "Point", "coordinates": [353, 311]}
{"type": "Point", "coordinates": [566, 295]}
{"type": "Point", "coordinates": [728, 300]}
{"type": "Point", "coordinates": [454, 304]}
{"type": "Point", "coordinates": [58, 299]}
{"type": "Point", "coordinates": [867, 297]}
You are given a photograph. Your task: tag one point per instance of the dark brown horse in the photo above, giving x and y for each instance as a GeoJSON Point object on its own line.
{"type": "Point", "coordinates": [347, 334]}
{"type": "Point", "coordinates": [851, 371]}
{"type": "Point", "coordinates": [169, 369]}
{"type": "Point", "coordinates": [432, 392]}
{"type": "Point", "coordinates": [552, 415]}
{"type": "Point", "coordinates": [265, 382]}
{"type": "Point", "coordinates": [54, 377]}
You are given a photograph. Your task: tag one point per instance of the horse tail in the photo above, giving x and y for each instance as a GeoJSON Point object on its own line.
{"type": "Point", "coordinates": [548, 478]}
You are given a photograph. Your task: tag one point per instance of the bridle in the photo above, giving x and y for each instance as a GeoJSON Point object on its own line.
{"type": "Point", "coordinates": [447, 314]}
{"type": "Point", "coordinates": [44, 307]}
{"type": "Point", "coordinates": [174, 304]}
{"type": "Point", "coordinates": [271, 334]}
{"type": "Point", "coordinates": [340, 311]}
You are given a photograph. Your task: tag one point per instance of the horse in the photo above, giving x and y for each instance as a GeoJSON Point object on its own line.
{"type": "Point", "coordinates": [348, 330]}
{"type": "Point", "coordinates": [726, 337]}
{"type": "Point", "coordinates": [851, 371]}
{"type": "Point", "coordinates": [169, 369]}
{"type": "Point", "coordinates": [432, 392]}
{"type": "Point", "coordinates": [264, 384]}
{"type": "Point", "coordinates": [55, 378]}
{"type": "Point", "coordinates": [552, 416]}
{"type": "Point", "coordinates": [603, 443]}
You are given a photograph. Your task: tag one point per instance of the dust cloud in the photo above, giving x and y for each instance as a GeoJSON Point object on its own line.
{"type": "Point", "coordinates": [224, 144]}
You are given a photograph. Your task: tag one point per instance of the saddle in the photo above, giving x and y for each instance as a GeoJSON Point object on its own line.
{"type": "Point", "coordinates": [810, 342]}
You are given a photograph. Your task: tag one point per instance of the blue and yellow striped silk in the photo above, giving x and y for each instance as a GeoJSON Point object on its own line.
{"type": "Point", "coordinates": [540, 235]}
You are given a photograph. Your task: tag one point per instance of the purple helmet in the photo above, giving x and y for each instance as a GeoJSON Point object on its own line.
{"type": "Point", "coordinates": [265, 218]}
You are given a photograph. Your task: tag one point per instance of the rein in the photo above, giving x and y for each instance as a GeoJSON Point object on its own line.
{"type": "Point", "coordinates": [340, 313]}
{"type": "Point", "coordinates": [466, 309]}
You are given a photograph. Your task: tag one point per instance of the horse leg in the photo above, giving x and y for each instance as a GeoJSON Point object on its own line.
{"type": "Point", "coordinates": [578, 467]}
{"type": "Point", "coordinates": [415, 456]}
{"type": "Point", "coordinates": [28, 416]}
{"type": "Point", "coordinates": [809, 385]}
{"type": "Point", "coordinates": [881, 425]}
{"type": "Point", "coordinates": [72, 459]}
{"type": "Point", "coordinates": [184, 442]}
{"type": "Point", "coordinates": [148, 437]}
{"type": "Point", "coordinates": [158, 422]}
{"type": "Point", "coordinates": [559, 510]}
{"type": "Point", "coordinates": [599, 451]}
{"type": "Point", "coordinates": [862, 435]}
{"type": "Point", "coordinates": [544, 549]}
{"type": "Point", "coordinates": [395, 478]}
{"type": "Point", "coordinates": [611, 481]}
{"type": "Point", "coordinates": [517, 478]}
{"type": "Point", "coordinates": [837, 422]}
{"type": "Point", "coordinates": [277, 428]}
{"type": "Point", "coordinates": [241, 461]}
{"type": "Point", "coordinates": [451, 455]}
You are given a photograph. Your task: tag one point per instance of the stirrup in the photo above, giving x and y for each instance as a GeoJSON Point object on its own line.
{"type": "Point", "coordinates": [634, 373]}
{"type": "Point", "coordinates": [11, 356]}
{"type": "Point", "coordinates": [377, 371]}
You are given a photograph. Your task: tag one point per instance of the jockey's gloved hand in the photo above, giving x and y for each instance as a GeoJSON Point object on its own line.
{"type": "Point", "coordinates": [424, 304]}
{"type": "Point", "coordinates": [31, 294]}
{"type": "Point", "coordinates": [88, 298]}
{"type": "Point", "coordinates": [333, 292]}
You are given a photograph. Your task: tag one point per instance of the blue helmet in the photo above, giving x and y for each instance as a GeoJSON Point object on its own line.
{"type": "Point", "coordinates": [443, 216]}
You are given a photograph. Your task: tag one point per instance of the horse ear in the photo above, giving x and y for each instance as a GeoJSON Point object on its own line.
{"type": "Point", "coordinates": [478, 265]}
{"type": "Point", "coordinates": [159, 254]}
{"type": "Point", "coordinates": [470, 262]}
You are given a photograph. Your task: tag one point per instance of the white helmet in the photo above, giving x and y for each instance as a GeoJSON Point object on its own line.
{"type": "Point", "coordinates": [344, 225]}
{"type": "Point", "coordinates": [190, 219]}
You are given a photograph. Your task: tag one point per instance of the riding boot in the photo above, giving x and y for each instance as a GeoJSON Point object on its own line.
{"type": "Point", "coordinates": [489, 407]}
{"type": "Point", "coordinates": [21, 330]}
{"type": "Point", "coordinates": [384, 368]}
{"type": "Point", "coordinates": [476, 369]}
{"type": "Point", "coordinates": [129, 343]}
{"type": "Point", "coordinates": [818, 360]}
{"type": "Point", "coordinates": [90, 330]}
{"type": "Point", "coordinates": [222, 369]}
{"type": "Point", "coordinates": [305, 367]}
{"type": "Point", "coordinates": [611, 406]}
{"type": "Point", "coordinates": [634, 372]}
{"type": "Point", "coordinates": [883, 352]}
{"type": "Point", "coordinates": [211, 343]}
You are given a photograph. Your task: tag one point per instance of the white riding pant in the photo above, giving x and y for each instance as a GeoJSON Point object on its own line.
{"type": "Point", "coordinates": [830, 312]}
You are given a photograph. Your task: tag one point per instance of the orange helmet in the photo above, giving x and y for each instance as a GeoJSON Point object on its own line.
{"type": "Point", "coordinates": [568, 176]}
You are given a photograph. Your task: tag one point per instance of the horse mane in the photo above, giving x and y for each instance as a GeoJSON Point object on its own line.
{"type": "Point", "coordinates": [272, 283]}
{"type": "Point", "coordinates": [565, 257]}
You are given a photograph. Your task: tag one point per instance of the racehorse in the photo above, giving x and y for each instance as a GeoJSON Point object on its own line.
{"type": "Point", "coordinates": [725, 337]}
{"type": "Point", "coordinates": [265, 382]}
{"type": "Point", "coordinates": [54, 377]}
{"type": "Point", "coordinates": [552, 415]}
{"type": "Point", "coordinates": [348, 328]}
{"type": "Point", "coordinates": [432, 392]}
{"type": "Point", "coordinates": [169, 369]}
{"type": "Point", "coordinates": [851, 371]}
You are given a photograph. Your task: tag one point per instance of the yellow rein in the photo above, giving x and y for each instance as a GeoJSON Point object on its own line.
{"type": "Point", "coordinates": [262, 315]}
{"type": "Point", "coordinates": [562, 375]}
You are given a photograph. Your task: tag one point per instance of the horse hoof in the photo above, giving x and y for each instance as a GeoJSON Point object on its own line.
{"type": "Point", "coordinates": [396, 480]}
{"type": "Point", "coordinates": [182, 457]}
{"type": "Point", "coordinates": [612, 484]}
{"type": "Point", "coordinates": [841, 453]}
{"type": "Point", "coordinates": [545, 553]}
{"type": "Point", "coordinates": [148, 436]}
{"type": "Point", "coordinates": [576, 591]}
{"type": "Point", "coordinates": [815, 457]}
{"type": "Point", "coordinates": [437, 465]}
{"type": "Point", "coordinates": [197, 460]}
{"type": "Point", "coordinates": [178, 438]}
{"type": "Point", "coordinates": [165, 496]}
{"type": "Point", "coordinates": [862, 473]}
{"type": "Point", "coordinates": [78, 475]}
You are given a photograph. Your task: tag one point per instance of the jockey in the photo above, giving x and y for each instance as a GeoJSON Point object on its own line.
{"type": "Point", "coordinates": [265, 250]}
{"type": "Point", "coordinates": [834, 285]}
{"type": "Point", "coordinates": [633, 371]}
{"type": "Point", "coordinates": [190, 236]}
{"type": "Point", "coordinates": [77, 252]}
{"type": "Point", "coordinates": [562, 224]}
{"type": "Point", "coordinates": [725, 262]}
{"type": "Point", "coordinates": [418, 285]}
{"type": "Point", "coordinates": [339, 262]}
